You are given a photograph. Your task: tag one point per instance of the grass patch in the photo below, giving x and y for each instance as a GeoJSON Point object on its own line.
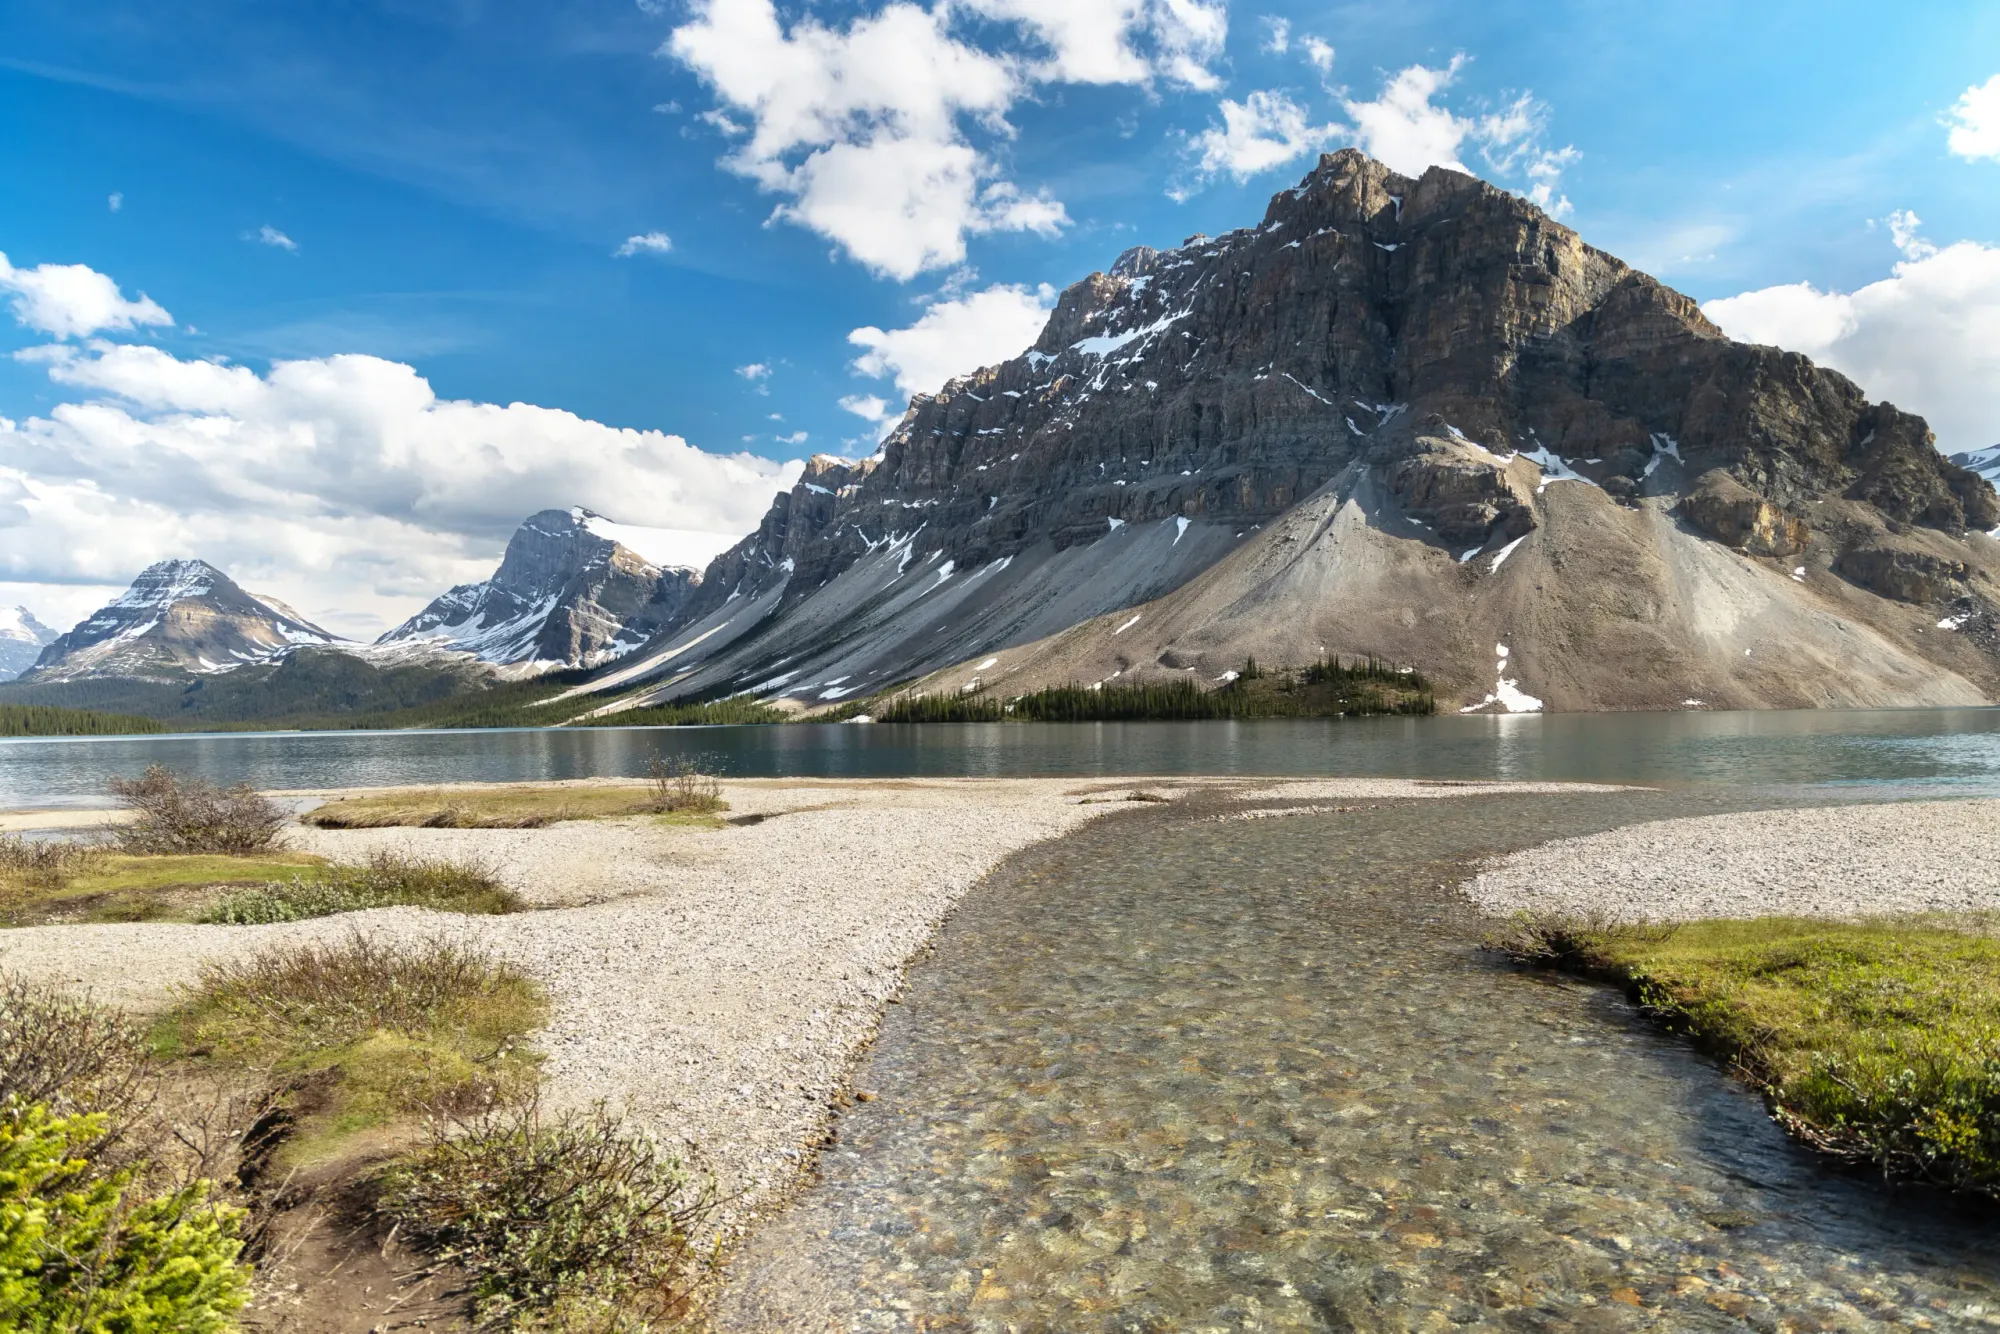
{"type": "Point", "coordinates": [45, 720]}
{"type": "Point", "coordinates": [1324, 689]}
{"type": "Point", "coordinates": [386, 880]}
{"type": "Point", "coordinates": [91, 883]}
{"type": "Point", "coordinates": [385, 1033]}
{"type": "Point", "coordinates": [515, 806]}
{"type": "Point", "coordinates": [562, 1223]}
{"type": "Point", "coordinates": [1877, 1042]}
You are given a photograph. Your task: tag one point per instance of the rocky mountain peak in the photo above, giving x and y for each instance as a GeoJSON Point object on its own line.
{"type": "Point", "coordinates": [22, 639]}
{"type": "Point", "coordinates": [1437, 350]}
{"type": "Point", "coordinates": [179, 617]}
{"type": "Point", "coordinates": [567, 593]}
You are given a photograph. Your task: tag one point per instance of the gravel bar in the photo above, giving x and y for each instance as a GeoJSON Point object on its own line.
{"type": "Point", "coordinates": [1834, 861]}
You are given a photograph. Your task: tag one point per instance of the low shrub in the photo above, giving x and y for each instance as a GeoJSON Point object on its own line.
{"type": "Point", "coordinates": [570, 1218]}
{"type": "Point", "coordinates": [1877, 1042]}
{"type": "Point", "coordinates": [86, 1250]}
{"type": "Point", "coordinates": [680, 788]}
{"type": "Point", "coordinates": [181, 814]}
{"type": "Point", "coordinates": [61, 1052]}
{"type": "Point", "coordinates": [47, 862]}
{"type": "Point", "coordinates": [386, 880]}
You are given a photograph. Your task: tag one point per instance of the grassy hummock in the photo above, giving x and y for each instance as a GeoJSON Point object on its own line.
{"type": "Point", "coordinates": [512, 806]}
{"type": "Point", "coordinates": [385, 880]}
{"type": "Point", "coordinates": [44, 883]}
{"type": "Point", "coordinates": [382, 1034]}
{"type": "Point", "coordinates": [1877, 1042]}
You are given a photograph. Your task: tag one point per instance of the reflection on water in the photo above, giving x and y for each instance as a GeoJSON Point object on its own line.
{"type": "Point", "coordinates": [1957, 748]}
{"type": "Point", "coordinates": [1181, 1075]}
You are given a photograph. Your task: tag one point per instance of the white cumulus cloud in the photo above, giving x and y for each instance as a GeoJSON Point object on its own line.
{"type": "Point", "coordinates": [1926, 338]}
{"type": "Point", "coordinates": [72, 300]}
{"type": "Point", "coordinates": [1265, 130]}
{"type": "Point", "coordinates": [271, 236]}
{"type": "Point", "coordinates": [1407, 128]}
{"type": "Point", "coordinates": [646, 243]}
{"type": "Point", "coordinates": [1319, 53]}
{"type": "Point", "coordinates": [867, 131]}
{"type": "Point", "coordinates": [1975, 122]}
{"type": "Point", "coordinates": [341, 484]}
{"type": "Point", "coordinates": [952, 337]}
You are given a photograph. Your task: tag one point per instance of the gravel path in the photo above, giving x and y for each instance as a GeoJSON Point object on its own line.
{"type": "Point", "coordinates": [1845, 861]}
{"type": "Point", "coordinates": [716, 984]}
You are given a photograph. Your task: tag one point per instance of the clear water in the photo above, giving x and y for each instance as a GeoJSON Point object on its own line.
{"type": "Point", "coordinates": [1179, 1074]}
{"type": "Point", "coordinates": [1946, 749]}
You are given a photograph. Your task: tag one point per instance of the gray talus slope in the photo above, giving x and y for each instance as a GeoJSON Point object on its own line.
{"type": "Point", "coordinates": [1601, 606]}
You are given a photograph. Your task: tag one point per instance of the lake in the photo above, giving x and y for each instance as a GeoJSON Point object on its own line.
{"type": "Point", "coordinates": [1933, 750]}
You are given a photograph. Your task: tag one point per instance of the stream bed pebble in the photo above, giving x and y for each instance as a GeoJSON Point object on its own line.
{"type": "Point", "coordinates": [1178, 1074]}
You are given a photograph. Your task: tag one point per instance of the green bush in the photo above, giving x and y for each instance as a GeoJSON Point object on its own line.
{"type": "Point", "coordinates": [570, 1218]}
{"type": "Point", "coordinates": [84, 1251]}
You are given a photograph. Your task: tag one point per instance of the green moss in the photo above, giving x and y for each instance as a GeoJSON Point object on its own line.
{"type": "Point", "coordinates": [1878, 1042]}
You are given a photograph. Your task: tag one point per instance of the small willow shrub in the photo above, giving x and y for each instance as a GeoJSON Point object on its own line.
{"type": "Point", "coordinates": [182, 814]}
{"type": "Point", "coordinates": [565, 1220]}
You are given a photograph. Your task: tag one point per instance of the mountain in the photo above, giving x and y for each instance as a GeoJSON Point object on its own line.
{"type": "Point", "coordinates": [571, 591]}
{"type": "Point", "coordinates": [1410, 417]}
{"type": "Point", "coordinates": [1985, 462]}
{"type": "Point", "coordinates": [22, 639]}
{"type": "Point", "coordinates": [180, 617]}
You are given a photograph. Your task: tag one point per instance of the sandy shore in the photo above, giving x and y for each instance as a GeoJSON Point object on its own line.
{"type": "Point", "coordinates": [716, 984]}
{"type": "Point", "coordinates": [1844, 861]}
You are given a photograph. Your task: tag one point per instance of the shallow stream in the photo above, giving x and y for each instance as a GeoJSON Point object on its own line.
{"type": "Point", "coordinates": [1188, 1073]}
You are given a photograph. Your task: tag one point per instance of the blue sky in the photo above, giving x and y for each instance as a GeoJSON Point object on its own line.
{"type": "Point", "coordinates": [448, 186]}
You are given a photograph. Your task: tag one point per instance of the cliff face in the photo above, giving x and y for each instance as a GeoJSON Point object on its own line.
{"type": "Point", "coordinates": [178, 617]}
{"type": "Point", "coordinates": [564, 596]}
{"type": "Point", "coordinates": [1436, 351]}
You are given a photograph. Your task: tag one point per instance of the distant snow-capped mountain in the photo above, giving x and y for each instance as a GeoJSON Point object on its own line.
{"type": "Point", "coordinates": [1985, 462]}
{"type": "Point", "coordinates": [22, 639]}
{"type": "Point", "coordinates": [179, 616]}
{"type": "Point", "coordinates": [574, 589]}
